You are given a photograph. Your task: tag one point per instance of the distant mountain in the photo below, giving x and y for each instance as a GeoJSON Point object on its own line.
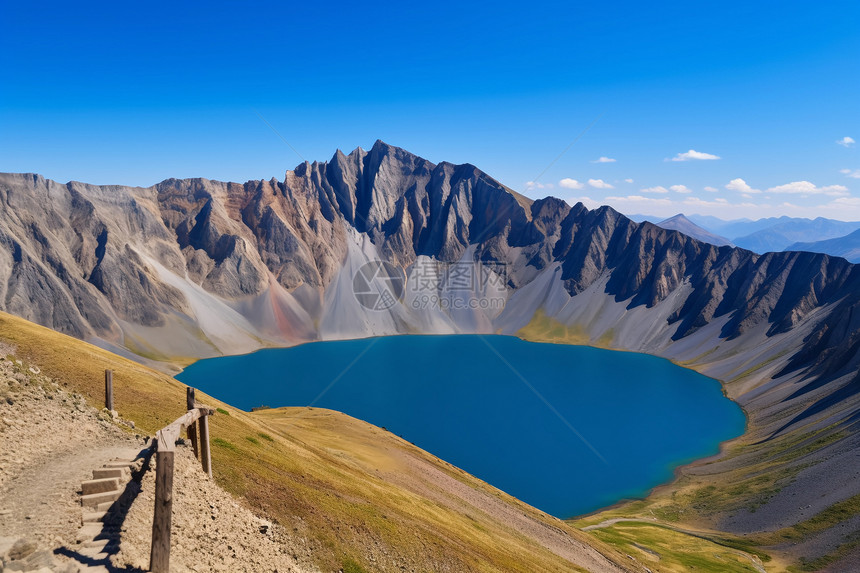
{"type": "Point", "coordinates": [714, 224]}
{"type": "Point", "coordinates": [735, 227]}
{"type": "Point", "coordinates": [785, 231]}
{"type": "Point", "coordinates": [774, 233]}
{"type": "Point", "coordinates": [847, 247]}
{"type": "Point", "coordinates": [684, 225]}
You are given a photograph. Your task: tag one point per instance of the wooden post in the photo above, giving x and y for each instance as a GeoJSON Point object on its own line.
{"type": "Point", "coordinates": [191, 431]}
{"type": "Point", "coordinates": [205, 455]}
{"type": "Point", "coordinates": [159, 557]}
{"type": "Point", "coordinates": [109, 389]}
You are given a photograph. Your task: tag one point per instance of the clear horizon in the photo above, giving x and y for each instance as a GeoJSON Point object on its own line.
{"type": "Point", "coordinates": [737, 112]}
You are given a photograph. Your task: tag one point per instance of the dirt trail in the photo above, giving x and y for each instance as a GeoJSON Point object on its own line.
{"type": "Point", "coordinates": [43, 502]}
{"type": "Point", "coordinates": [51, 443]}
{"type": "Point", "coordinates": [52, 440]}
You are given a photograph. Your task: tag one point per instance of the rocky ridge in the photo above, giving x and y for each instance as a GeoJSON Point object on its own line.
{"type": "Point", "coordinates": [195, 268]}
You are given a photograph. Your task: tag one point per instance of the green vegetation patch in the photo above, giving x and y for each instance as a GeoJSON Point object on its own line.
{"type": "Point", "coordinates": [222, 443]}
{"type": "Point", "coordinates": [675, 551]}
{"type": "Point", "coordinates": [543, 328]}
{"type": "Point", "coordinates": [350, 565]}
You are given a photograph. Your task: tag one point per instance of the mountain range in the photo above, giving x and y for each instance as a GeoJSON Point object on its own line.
{"type": "Point", "coordinates": [847, 247]}
{"type": "Point", "coordinates": [195, 268]}
{"type": "Point", "coordinates": [761, 235]}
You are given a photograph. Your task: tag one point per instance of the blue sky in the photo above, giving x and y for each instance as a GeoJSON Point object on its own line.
{"type": "Point", "coordinates": [136, 93]}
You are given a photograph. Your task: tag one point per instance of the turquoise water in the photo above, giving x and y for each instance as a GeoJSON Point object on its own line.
{"type": "Point", "coordinates": [568, 429]}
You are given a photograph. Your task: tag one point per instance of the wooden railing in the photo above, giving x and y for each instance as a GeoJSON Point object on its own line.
{"type": "Point", "coordinates": [197, 416]}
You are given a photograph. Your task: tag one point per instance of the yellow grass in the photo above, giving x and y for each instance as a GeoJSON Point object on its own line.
{"type": "Point", "coordinates": [354, 490]}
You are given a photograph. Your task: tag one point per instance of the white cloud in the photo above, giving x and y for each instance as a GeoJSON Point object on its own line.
{"type": "Point", "coordinates": [846, 141]}
{"type": "Point", "coordinates": [659, 189]}
{"type": "Point", "coordinates": [807, 188]}
{"type": "Point", "coordinates": [740, 186]}
{"type": "Point", "coordinates": [693, 155]}
{"type": "Point", "coordinates": [604, 160]}
{"type": "Point", "coordinates": [600, 184]}
{"type": "Point", "coordinates": [628, 180]}
{"type": "Point", "coordinates": [680, 189]}
{"type": "Point", "coordinates": [535, 185]}
{"type": "Point", "coordinates": [853, 173]}
{"type": "Point", "coordinates": [848, 201]}
{"type": "Point", "coordinates": [569, 183]}
{"type": "Point", "coordinates": [711, 189]}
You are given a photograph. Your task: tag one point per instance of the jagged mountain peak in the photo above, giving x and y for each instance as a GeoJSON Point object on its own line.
{"type": "Point", "coordinates": [282, 253]}
{"type": "Point", "coordinates": [679, 217]}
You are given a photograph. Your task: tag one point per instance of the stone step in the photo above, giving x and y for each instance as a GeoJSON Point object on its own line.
{"type": "Point", "coordinates": [96, 501]}
{"type": "Point", "coordinates": [104, 506]}
{"type": "Point", "coordinates": [121, 473]}
{"type": "Point", "coordinates": [93, 516]}
{"type": "Point", "coordinates": [88, 532]}
{"type": "Point", "coordinates": [99, 485]}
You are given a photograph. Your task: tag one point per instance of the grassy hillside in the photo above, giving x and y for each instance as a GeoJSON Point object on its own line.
{"type": "Point", "coordinates": [736, 485]}
{"type": "Point", "coordinates": [364, 499]}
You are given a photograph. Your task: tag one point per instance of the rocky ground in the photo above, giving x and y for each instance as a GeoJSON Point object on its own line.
{"type": "Point", "coordinates": [52, 440]}
{"type": "Point", "coordinates": [211, 531]}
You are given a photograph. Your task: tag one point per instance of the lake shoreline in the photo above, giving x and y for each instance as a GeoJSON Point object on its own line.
{"type": "Point", "coordinates": [552, 374]}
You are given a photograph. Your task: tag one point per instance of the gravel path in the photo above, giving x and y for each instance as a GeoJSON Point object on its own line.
{"type": "Point", "coordinates": [51, 443]}
{"type": "Point", "coordinates": [43, 504]}
{"type": "Point", "coordinates": [52, 440]}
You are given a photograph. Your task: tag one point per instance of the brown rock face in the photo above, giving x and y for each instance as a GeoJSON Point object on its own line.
{"type": "Point", "coordinates": [101, 261]}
